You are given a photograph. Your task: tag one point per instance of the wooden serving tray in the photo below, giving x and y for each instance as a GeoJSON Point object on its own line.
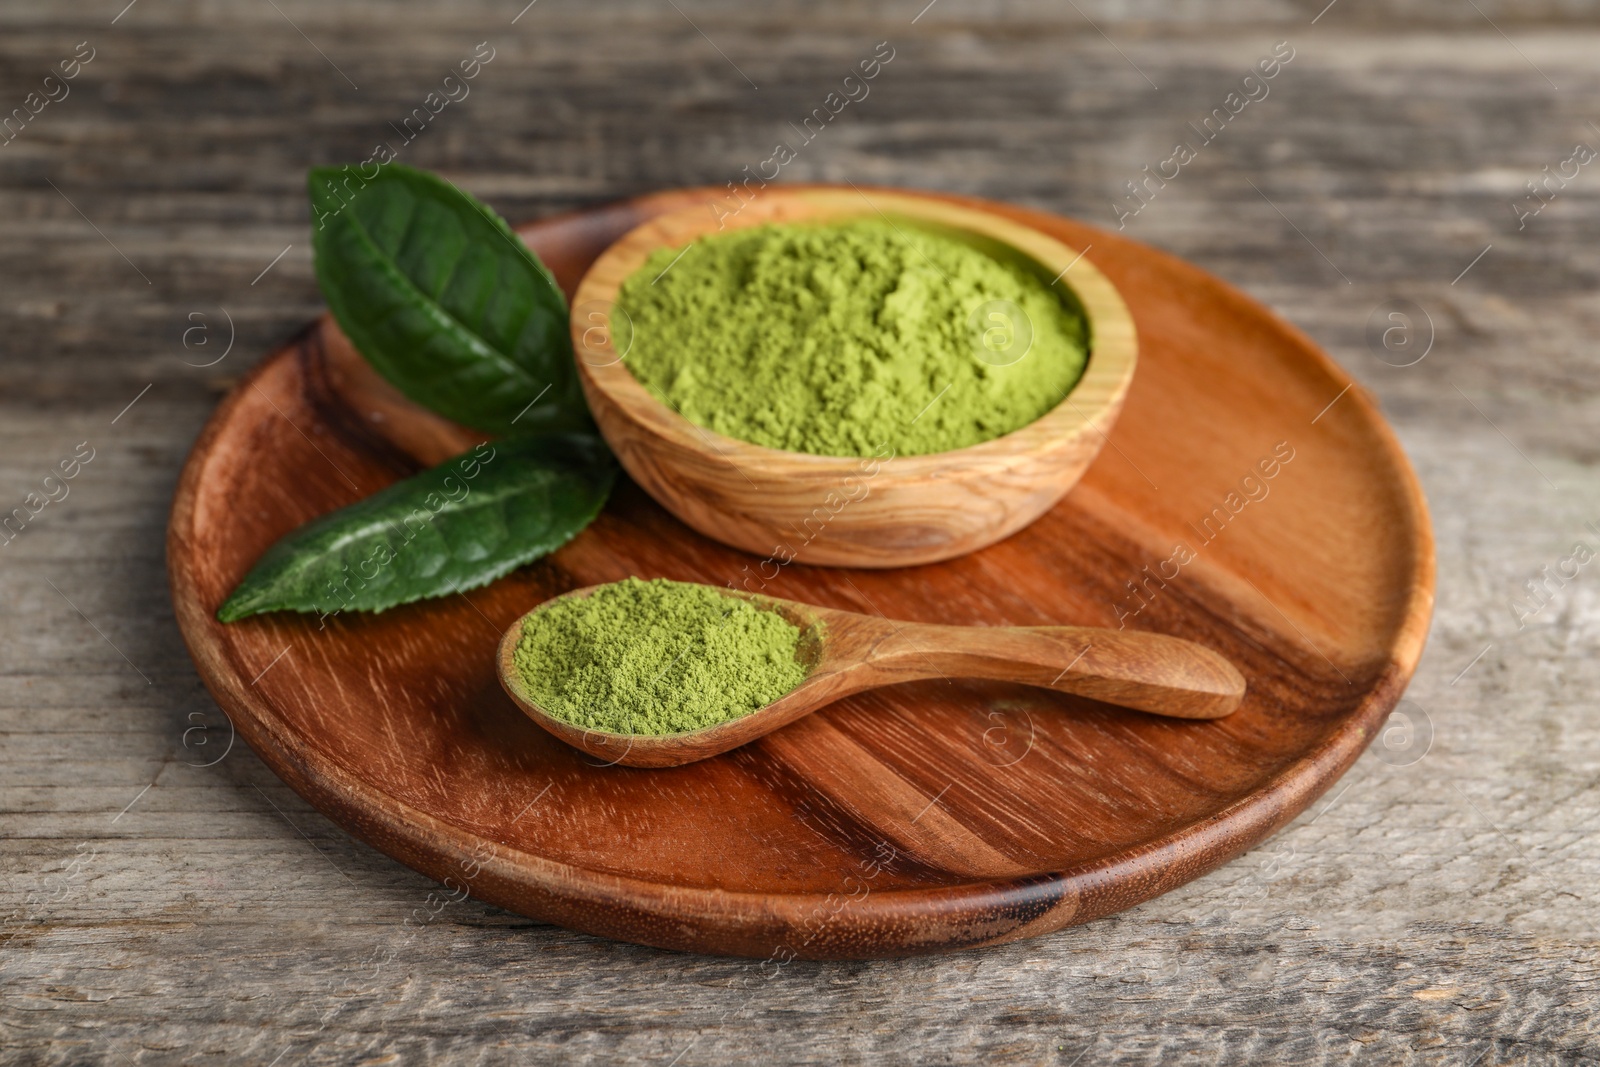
{"type": "Point", "coordinates": [917, 819]}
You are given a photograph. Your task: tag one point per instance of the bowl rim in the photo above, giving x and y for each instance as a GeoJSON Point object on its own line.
{"type": "Point", "coordinates": [1107, 373]}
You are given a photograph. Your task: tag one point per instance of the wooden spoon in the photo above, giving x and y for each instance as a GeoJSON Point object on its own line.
{"type": "Point", "coordinates": [847, 652]}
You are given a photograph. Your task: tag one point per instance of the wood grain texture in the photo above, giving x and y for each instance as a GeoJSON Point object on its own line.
{"type": "Point", "coordinates": [1436, 908]}
{"type": "Point", "coordinates": [847, 652]}
{"type": "Point", "coordinates": [396, 724]}
{"type": "Point", "coordinates": [883, 510]}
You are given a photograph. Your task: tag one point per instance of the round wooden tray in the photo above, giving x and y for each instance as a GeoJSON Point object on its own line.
{"type": "Point", "coordinates": [916, 819]}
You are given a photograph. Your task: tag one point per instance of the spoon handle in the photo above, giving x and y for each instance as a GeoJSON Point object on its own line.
{"type": "Point", "coordinates": [1150, 672]}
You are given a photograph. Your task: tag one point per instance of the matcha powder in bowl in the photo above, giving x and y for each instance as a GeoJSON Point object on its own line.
{"type": "Point", "coordinates": [656, 657]}
{"type": "Point", "coordinates": [839, 338]}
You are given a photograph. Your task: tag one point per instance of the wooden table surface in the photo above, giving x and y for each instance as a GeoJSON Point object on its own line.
{"type": "Point", "coordinates": [167, 900]}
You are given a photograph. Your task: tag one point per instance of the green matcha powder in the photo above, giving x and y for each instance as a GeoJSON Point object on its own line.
{"type": "Point", "coordinates": [656, 657]}
{"type": "Point", "coordinates": [837, 339]}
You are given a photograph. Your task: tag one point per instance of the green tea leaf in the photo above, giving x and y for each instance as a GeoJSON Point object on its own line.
{"type": "Point", "coordinates": [444, 300]}
{"type": "Point", "coordinates": [460, 525]}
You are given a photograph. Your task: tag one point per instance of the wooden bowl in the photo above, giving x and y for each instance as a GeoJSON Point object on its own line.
{"type": "Point", "coordinates": [797, 506]}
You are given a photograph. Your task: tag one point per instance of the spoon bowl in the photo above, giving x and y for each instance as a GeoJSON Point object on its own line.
{"type": "Point", "coordinates": [846, 652]}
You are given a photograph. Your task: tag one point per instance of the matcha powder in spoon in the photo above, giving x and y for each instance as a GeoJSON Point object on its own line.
{"type": "Point", "coordinates": [656, 657]}
{"type": "Point", "coordinates": [840, 338]}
